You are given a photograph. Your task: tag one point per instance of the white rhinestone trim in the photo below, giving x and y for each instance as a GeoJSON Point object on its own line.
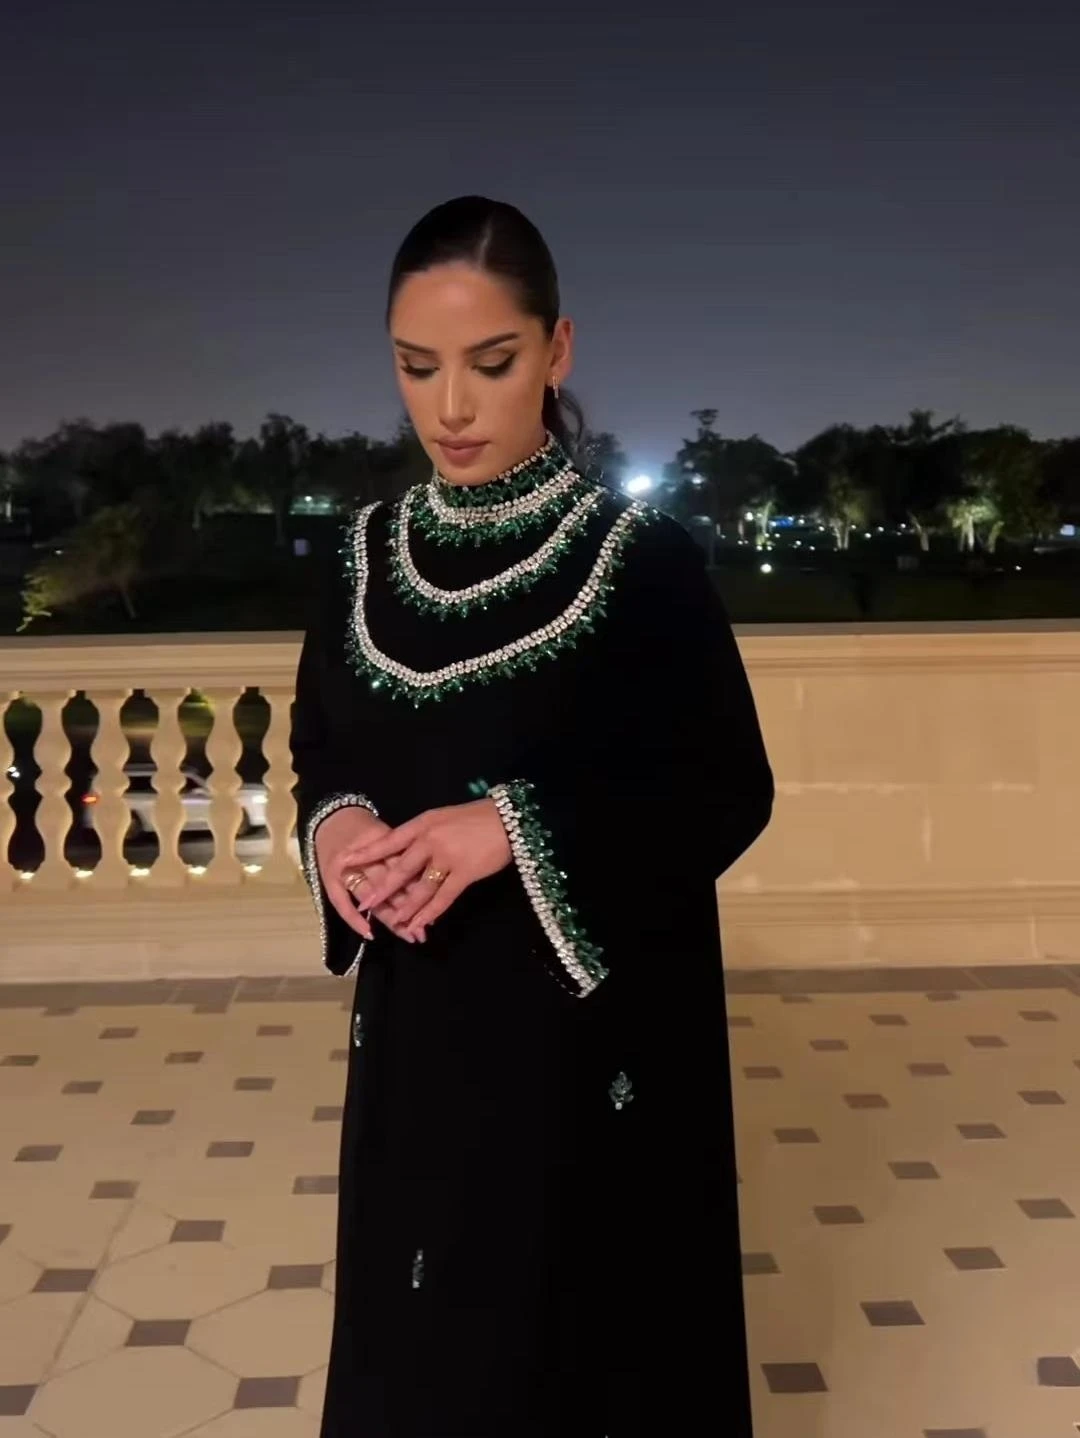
{"type": "Point", "coordinates": [463, 668]}
{"type": "Point", "coordinates": [542, 907]}
{"type": "Point", "coordinates": [532, 563]}
{"type": "Point", "coordinates": [323, 810]}
{"type": "Point", "coordinates": [470, 517]}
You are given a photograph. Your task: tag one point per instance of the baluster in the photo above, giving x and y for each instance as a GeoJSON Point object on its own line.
{"type": "Point", "coordinates": [53, 818]}
{"type": "Point", "coordinates": [8, 877]}
{"type": "Point", "coordinates": [168, 749]}
{"type": "Point", "coordinates": [280, 866]}
{"type": "Point", "coordinates": [224, 748]}
{"type": "Point", "coordinates": [112, 818]}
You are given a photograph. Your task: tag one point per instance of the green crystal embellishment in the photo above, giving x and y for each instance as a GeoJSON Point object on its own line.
{"type": "Point", "coordinates": [418, 1268]}
{"type": "Point", "coordinates": [621, 1091]}
{"type": "Point", "coordinates": [579, 618]}
{"type": "Point", "coordinates": [530, 845]}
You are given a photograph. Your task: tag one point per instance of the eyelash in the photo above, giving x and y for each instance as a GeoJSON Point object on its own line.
{"type": "Point", "coordinates": [488, 371]}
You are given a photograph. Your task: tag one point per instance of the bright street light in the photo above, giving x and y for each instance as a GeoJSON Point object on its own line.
{"type": "Point", "coordinates": [640, 484]}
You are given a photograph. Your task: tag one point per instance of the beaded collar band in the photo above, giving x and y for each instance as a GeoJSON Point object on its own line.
{"type": "Point", "coordinates": [529, 474]}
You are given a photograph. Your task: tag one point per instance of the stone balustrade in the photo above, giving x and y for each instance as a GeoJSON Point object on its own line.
{"type": "Point", "coordinates": [928, 807]}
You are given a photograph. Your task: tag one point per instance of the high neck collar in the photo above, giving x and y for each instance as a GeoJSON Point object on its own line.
{"type": "Point", "coordinates": [539, 468]}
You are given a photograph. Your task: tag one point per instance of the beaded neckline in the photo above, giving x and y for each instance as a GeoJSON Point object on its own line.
{"type": "Point", "coordinates": [528, 474]}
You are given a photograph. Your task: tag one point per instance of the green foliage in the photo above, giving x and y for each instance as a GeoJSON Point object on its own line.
{"type": "Point", "coordinates": [102, 555]}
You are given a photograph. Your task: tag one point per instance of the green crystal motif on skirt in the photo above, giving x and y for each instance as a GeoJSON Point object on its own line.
{"type": "Point", "coordinates": [621, 1091]}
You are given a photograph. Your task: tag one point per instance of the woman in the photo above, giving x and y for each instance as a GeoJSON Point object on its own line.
{"type": "Point", "coordinates": [526, 749]}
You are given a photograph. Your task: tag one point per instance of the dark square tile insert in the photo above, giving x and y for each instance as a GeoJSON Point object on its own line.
{"type": "Point", "coordinates": [914, 1169]}
{"type": "Point", "coordinates": [762, 1071]}
{"type": "Point", "coordinates": [19, 1061]}
{"type": "Point", "coordinates": [954, 1433]}
{"type": "Point", "coordinates": [316, 1183]}
{"type": "Point", "coordinates": [39, 1153]}
{"type": "Point", "coordinates": [755, 1264]}
{"type": "Point", "coordinates": [829, 1046]}
{"type": "Point", "coordinates": [794, 1378]}
{"type": "Point", "coordinates": [866, 1100]}
{"type": "Point", "coordinates": [1038, 1016]}
{"type": "Point", "coordinates": [253, 1085]}
{"type": "Point", "coordinates": [979, 1130]}
{"type": "Point", "coordinates": [153, 1117]}
{"type": "Point", "coordinates": [64, 1280]}
{"type": "Point", "coordinates": [158, 1333]}
{"type": "Point", "coordinates": [892, 1314]}
{"type": "Point", "coordinates": [82, 1086]}
{"type": "Point", "coordinates": [796, 1135]}
{"type": "Point", "coordinates": [15, 1399]}
{"type": "Point", "coordinates": [1041, 1097]}
{"type": "Point", "coordinates": [973, 1260]}
{"type": "Point", "coordinates": [986, 1041]}
{"type": "Point", "coordinates": [273, 1031]}
{"type": "Point", "coordinates": [114, 1188]}
{"type": "Point", "coordinates": [118, 1031]}
{"type": "Point", "coordinates": [834, 1214]}
{"type": "Point", "coordinates": [198, 1230]}
{"type": "Point", "coordinates": [889, 1021]}
{"type": "Point", "coordinates": [296, 1275]}
{"type": "Point", "coordinates": [1057, 1373]}
{"type": "Point", "coordinates": [1045, 1208]}
{"type": "Point", "coordinates": [185, 1056]}
{"type": "Point", "coordinates": [930, 1070]}
{"type": "Point", "coordinates": [328, 1113]}
{"type": "Point", "coordinates": [267, 1393]}
{"type": "Point", "coordinates": [231, 1148]}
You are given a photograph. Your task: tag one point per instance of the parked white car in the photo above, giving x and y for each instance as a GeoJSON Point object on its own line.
{"type": "Point", "coordinates": [141, 798]}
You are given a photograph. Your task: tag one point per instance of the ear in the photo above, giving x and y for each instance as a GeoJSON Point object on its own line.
{"type": "Point", "coordinates": [562, 348]}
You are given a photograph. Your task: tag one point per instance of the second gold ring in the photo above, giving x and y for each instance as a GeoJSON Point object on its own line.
{"type": "Point", "coordinates": [435, 876]}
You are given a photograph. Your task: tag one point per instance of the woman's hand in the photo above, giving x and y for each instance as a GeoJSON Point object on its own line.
{"type": "Point", "coordinates": [335, 838]}
{"type": "Point", "coordinates": [433, 859]}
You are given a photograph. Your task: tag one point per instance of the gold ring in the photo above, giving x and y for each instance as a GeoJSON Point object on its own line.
{"type": "Point", "coordinates": [435, 876]}
{"type": "Point", "coordinates": [355, 879]}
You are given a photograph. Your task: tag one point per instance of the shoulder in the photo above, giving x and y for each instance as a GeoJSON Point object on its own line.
{"type": "Point", "coordinates": [658, 549]}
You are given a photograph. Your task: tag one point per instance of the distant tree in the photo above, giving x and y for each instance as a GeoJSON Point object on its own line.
{"type": "Point", "coordinates": [603, 458]}
{"type": "Point", "coordinates": [102, 555]}
{"type": "Point", "coordinates": [1005, 488]}
{"type": "Point", "coordinates": [1060, 464]}
{"type": "Point", "coordinates": [726, 482]}
{"type": "Point", "coordinates": [920, 475]}
{"type": "Point", "coordinates": [833, 480]}
{"type": "Point", "coordinates": [273, 467]}
{"type": "Point", "coordinates": [199, 471]}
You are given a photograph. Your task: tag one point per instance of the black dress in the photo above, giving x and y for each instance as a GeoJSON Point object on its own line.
{"type": "Point", "coordinates": [538, 1230]}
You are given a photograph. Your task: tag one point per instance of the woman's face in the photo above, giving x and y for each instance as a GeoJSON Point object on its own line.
{"type": "Point", "coordinates": [472, 369]}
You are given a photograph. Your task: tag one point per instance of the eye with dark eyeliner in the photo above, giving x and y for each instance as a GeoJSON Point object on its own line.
{"type": "Point", "coordinates": [495, 371]}
{"type": "Point", "coordinates": [413, 372]}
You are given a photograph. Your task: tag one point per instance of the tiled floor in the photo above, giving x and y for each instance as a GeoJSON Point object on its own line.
{"type": "Point", "coordinates": [908, 1150]}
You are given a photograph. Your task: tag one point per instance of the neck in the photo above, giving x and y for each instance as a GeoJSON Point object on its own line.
{"type": "Point", "coordinates": [538, 467]}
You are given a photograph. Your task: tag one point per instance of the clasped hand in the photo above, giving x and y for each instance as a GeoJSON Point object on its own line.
{"type": "Point", "coordinates": [427, 863]}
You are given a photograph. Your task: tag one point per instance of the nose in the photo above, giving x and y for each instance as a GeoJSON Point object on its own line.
{"type": "Point", "coordinates": [456, 408]}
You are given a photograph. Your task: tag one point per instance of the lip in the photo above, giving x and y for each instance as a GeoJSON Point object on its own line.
{"type": "Point", "coordinates": [461, 451]}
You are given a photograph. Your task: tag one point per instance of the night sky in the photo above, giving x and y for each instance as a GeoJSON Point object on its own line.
{"type": "Point", "coordinates": [794, 213]}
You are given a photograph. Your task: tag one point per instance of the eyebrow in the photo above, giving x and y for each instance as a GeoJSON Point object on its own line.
{"type": "Point", "coordinates": [476, 349]}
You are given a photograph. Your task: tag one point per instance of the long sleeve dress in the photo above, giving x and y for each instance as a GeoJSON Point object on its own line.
{"type": "Point", "coordinates": [538, 1222]}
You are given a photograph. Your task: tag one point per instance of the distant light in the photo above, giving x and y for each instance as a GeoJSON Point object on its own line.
{"type": "Point", "coordinates": [139, 873]}
{"type": "Point", "coordinates": [26, 875]}
{"type": "Point", "coordinates": [868, 535]}
{"type": "Point", "coordinates": [13, 773]}
{"type": "Point", "coordinates": [1068, 531]}
{"type": "Point", "coordinates": [640, 484]}
{"type": "Point", "coordinates": [1018, 569]}
{"type": "Point", "coordinates": [84, 873]}
{"type": "Point", "coordinates": [766, 568]}
{"type": "Point", "coordinates": [309, 499]}
{"type": "Point", "coordinates": [252, 868]}
{"type": "Point", "coordinates": [750, 514]}
{"type": "Point", "coordinates": [697, 480]}
{"type": "Point", "coordinates": [197, 869]}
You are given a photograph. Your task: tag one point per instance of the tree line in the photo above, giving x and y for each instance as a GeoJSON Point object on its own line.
{"type": "Point", "coordinates": [123, 504]}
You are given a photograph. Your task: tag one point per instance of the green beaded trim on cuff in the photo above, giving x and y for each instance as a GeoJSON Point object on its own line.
{"type": "Point", "coordinates": [530, 845]}
{"type": "Point", "coordinates": [322, 810]}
